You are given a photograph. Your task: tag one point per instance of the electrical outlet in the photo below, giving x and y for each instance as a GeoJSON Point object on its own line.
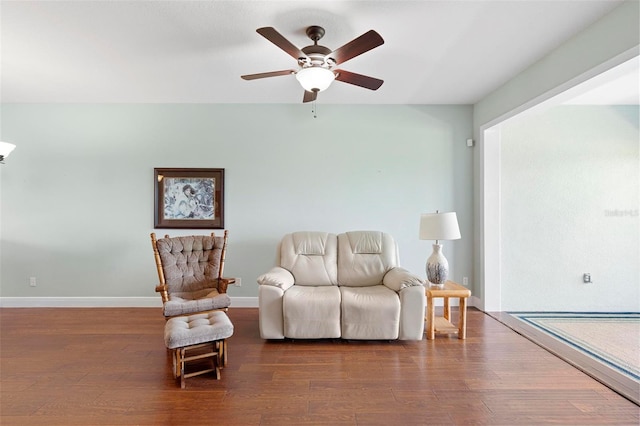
{"type": "Point", "coordinates": [586, 277]}
{"type": "Point", "coordinates": [465, 281]}
{"type": "Point", "coordinates": [238, 282]}
{"type": "Point", "coordinates": [32, 281]}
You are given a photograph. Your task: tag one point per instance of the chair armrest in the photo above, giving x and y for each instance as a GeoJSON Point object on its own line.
{"type": "Point", "coordinates": [223, 283]}
{"type": "Point", "coordinates": [398, 278]}
{"type": "Point", "coordinates": [164, 293]}
{"type": "Point", "coordinates": [277, 277]}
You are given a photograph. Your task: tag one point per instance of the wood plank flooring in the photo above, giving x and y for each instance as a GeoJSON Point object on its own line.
{"type": "Point", "coordinates": [82, 366]}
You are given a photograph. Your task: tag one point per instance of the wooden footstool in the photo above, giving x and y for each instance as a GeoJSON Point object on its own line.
{"type": "Point", "coordinates": [197, 337]}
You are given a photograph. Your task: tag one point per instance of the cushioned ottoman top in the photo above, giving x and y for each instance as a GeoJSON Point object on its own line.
{"type": "Point", "coordinates": [198, 328]}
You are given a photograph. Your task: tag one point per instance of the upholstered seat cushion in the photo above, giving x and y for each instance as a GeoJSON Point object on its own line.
{"type": "Point", "coordinates": [312, 312]}
{"type": "Point", "coordinates": [183, 303]}
{"type": "Point", "coordinates": [180, 332]}
{"type": "Point", "coordinates": [370, 313]}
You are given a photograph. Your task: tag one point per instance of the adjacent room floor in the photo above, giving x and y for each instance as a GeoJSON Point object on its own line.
{"type": "Point", "coordinates": [604, 345]}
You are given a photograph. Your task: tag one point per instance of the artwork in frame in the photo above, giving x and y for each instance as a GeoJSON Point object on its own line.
{"type": "Point", "coordinates": [189, 198]}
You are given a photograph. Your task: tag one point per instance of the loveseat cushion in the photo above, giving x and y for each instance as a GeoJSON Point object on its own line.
{"type": "Point", "coordinates": [364, 257]}
{"type": "Point", "coordinates": [371, 312]}
{"type": "Point", "coordinates": [311, 257]}
{"type": "Point", "coordinates": [311, 312]}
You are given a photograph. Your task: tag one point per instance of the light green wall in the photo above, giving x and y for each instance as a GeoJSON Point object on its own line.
{"type": "Point", "coordinates": [569, 205]}
{"type": "Point", "coordinates": [77, 193]}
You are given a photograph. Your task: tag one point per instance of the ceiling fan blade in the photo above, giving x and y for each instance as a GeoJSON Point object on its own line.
{"type": "Point", "coordinates": [358, 79]}
{"type": "Point", "coordinates": [267, 74]}
{"type": "Point", "coordinates": [355, 47]}
{"type": "Point", "coordinates": [278, 39]}
{"type": "Point", "coordinates": [310, 96]}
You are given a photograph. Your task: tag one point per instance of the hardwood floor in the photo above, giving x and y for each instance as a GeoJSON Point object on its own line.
{"type": "Point", "coordinates": [110, 367]}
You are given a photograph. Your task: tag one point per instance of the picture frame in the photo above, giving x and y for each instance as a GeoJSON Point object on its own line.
{"type": "Point", "coordinates": [188, 198]}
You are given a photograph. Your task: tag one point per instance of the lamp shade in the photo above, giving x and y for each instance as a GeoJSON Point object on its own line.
{"type": "Point", "coordinates": [439, 226]}
{"type": "Point", "coordinates": [315, 79]}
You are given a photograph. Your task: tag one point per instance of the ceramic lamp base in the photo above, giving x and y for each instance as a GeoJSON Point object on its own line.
{"type": "Point", "coordinates": [437, 266]}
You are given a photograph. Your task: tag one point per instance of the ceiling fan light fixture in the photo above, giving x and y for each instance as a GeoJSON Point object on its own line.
{"type": "Point", "coordinates": [315, 79]}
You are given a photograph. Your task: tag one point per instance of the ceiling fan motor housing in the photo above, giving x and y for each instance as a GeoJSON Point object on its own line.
{"type": "Point", "coordinates": [316, 54]}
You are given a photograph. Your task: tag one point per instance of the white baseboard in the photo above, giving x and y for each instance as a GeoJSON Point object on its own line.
{"type": "Point", "coordinates": [244, 302]}
{"type": "Point", "coordinates": [137, 302]}
{"type": "Point", "coordinates": [103, 302]}
{"type": "Point", "coordinates": [476, 302]}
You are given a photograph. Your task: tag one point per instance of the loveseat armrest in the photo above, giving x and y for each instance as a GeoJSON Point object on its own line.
{"type": "Point", "coordinates": [277, 277]}
{"type": "Point", "coordinates": [398, 278]}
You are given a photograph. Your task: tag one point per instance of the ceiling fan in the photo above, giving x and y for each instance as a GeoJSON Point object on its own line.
{"type": "Point", "coordinates": [316, 63]}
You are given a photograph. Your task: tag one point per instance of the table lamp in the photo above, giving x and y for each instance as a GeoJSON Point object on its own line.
{"type": "Point", "coordinates": [438, 226]}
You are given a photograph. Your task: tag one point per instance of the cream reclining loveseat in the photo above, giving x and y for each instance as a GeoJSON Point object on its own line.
{"type": "Point", "coordinates": [346, 286]}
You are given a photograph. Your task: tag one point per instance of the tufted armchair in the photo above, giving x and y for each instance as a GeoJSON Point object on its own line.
{"type": "Point", "coordinates": [346, 286]}
{"type": "Point", "coordinates": [190, 272]}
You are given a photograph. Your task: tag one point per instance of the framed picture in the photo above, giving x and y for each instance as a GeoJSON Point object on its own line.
{"type": "Point", "coordinates": [189, 198]}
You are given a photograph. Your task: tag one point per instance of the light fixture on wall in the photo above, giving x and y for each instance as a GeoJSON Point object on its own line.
{"type": "Point", "coordinates": [438, 226]}
{"type": "Point", "coordinates": [315, 78]}
{"type": "Point", "coordinates": [5, 150]}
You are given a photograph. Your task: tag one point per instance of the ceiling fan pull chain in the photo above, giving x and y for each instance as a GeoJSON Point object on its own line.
{"type": "Point", "coordinates": [314, 109]}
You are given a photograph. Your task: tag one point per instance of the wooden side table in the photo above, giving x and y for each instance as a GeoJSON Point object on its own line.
{"type": "Point", "coordinates": [443, 325]}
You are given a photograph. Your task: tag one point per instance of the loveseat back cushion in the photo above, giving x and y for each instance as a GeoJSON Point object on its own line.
{"type": "Point", "coordinates": [364, 257]}
{"type": "Point", "coordinates": [311, 257]}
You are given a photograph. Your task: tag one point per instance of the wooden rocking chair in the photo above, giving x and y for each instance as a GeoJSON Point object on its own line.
{"type": "Point", "coordinates": [190, 272]}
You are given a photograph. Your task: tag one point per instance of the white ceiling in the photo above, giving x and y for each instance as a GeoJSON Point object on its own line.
{"type": "Point", "coordinates": [435, 52]}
